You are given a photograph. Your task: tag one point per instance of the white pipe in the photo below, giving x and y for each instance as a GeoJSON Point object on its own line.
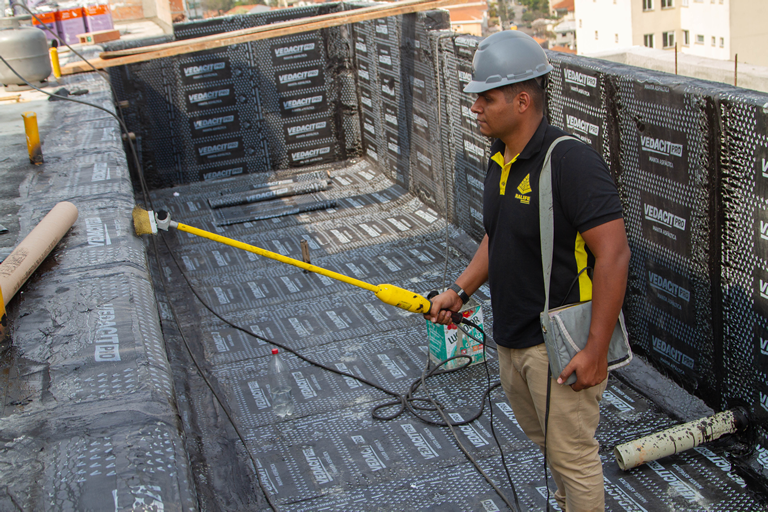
{"type": "Point", "coordinates": [678, 438]}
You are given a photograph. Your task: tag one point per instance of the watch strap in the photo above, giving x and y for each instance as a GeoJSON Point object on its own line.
{"type": "Point", "coordinates": [460, 292]}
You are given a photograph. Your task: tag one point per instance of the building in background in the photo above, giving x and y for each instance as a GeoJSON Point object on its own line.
{"type": "Point", "coordinates": [715, 29]}
{"type": "Point", "coordinates": [562, 9]}
{"type": "Point", "coordinates": [603, 25]}
{"type": "Point", "coordinates": [565, 31]}
{"type": "Point", "coordinates": [470, 18]}
{"type": "Point", "coordinates": [565, 34]}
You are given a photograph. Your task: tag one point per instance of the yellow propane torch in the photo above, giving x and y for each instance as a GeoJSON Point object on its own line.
{"type": "Point", "coordinates": [147, 222]}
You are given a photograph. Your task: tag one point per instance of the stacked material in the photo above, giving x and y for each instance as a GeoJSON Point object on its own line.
{"type": "Point", "coordinates": [209, 115]}
{"type": "Point", "coordinates": [74, 19]}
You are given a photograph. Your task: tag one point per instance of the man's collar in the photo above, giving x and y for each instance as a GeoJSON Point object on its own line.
{"type": "Point", "coordinates": [534, 144]}
{"type": "Point", "coordinates": [537, 140]}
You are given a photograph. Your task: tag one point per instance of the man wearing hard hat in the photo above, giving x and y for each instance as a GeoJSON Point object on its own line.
{"type": "Point", "coordinates": [508, 75]}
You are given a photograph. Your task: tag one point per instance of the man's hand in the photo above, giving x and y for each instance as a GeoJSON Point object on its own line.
{"type": "Point", "coordinates": [591, 369]}
{"type": "Point", "coordinates": [608, 242]}
{"type": "Point", "coordinates": [442, 305]}
{"type": "Point", "coordinates": [470, 280]}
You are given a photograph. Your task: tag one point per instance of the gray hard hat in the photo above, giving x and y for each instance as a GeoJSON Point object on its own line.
{"type": "Point", "coordinates": [506, 58]}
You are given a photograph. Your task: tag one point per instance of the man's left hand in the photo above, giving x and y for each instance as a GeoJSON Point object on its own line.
{"type": "Point", "coordinates": [591, 369]}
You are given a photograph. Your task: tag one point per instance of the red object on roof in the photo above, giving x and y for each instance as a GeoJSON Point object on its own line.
{"type": "Point", "coordinates": [240, 9]}
{"type": "Point", "coordinates": [564, 5]}
{"type": "Point", "coordinates": [467, 13]}
{"type": "Point", "coordinates": [563, 49]}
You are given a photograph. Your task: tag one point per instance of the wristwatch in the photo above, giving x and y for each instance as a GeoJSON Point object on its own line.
{"type": "Point", "coordinates": [460, 292]}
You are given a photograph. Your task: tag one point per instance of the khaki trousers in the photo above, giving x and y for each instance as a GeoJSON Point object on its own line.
{"type": "Point", "coordinates": [572, 450]}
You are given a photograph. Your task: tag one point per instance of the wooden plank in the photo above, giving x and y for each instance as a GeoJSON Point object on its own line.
{"type": "Point", "coordinates": [276, 26]}
{"type": "Point", "coordinates": [259, 33]}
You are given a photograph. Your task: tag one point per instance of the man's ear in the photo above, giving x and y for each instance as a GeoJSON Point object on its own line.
{"type": "Point", "coordinates": [524, 102]}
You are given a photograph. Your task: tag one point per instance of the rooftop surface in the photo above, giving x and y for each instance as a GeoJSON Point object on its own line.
{"type": "Point", "coordinates": [76, 432]}
{"type": "Point", "coordinates": [332, 455]}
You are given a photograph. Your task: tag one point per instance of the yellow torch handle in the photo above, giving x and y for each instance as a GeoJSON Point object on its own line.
{"type": "Point", "coordinates": [387, 293]}
{"type": "Point", "coordinates": [275, 256]}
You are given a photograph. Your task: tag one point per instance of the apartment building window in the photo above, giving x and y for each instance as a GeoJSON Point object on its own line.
{"type": "Point", "coordinates": [722, 42]}
{"type": "Point", "coordinates": [667, 4]}
{"type": "Point", "coordinates": [684, 3]}
{"type": "Point", "coordinates": [668, 39]}
{"type": "Point", "coordinates": [595, 35]}
{"type": "Point", "coordinates": [686, 38]}
{"type": "Point", "coordinates": [713, 40]}
{"type": "Point", "coordinates": [579, 23]}
{"type": "Point", "coordinates": [699, 39]}
{"type": "Point", "coordinates": [648, 40]}
{"type": "Point", "coordinates": [647, 5]}
{"type": "Point", "coordinates": [616, 37]}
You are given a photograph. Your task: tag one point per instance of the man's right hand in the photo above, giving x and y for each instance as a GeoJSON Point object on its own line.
{"type": "Point", "coordinates": [442, 305]}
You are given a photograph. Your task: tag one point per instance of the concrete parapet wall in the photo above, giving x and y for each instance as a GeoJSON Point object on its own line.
{"type": "Point", "coordinates": [747, 76]}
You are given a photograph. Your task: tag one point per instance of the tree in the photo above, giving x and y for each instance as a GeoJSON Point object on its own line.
{"type": "Point", "coordinates": [218, 5]}
{"type": "Point", "coordinates": [535, 5]}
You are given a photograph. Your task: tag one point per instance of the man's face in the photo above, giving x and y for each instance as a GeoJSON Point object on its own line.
{"type": "Point", "coordinates": [495, 116]}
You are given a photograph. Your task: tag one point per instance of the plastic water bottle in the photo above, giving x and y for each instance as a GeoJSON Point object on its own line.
{"type": "Point", "coordinates": [280, 387]}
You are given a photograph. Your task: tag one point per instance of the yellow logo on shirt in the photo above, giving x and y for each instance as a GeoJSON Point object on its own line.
{"type": "Point", "coordinates": [524, 188]}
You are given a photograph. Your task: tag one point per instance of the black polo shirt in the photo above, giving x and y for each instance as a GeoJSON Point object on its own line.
{"type": "Point", "coordinates": [584, 197]}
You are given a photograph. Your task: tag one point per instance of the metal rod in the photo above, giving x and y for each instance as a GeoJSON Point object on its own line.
{"type": "Point", "coordinates": [277, 257]}
{"type": "Point", "coordinates": [675, 57]}
{"type": "Point", "coordinates": [736, 70]}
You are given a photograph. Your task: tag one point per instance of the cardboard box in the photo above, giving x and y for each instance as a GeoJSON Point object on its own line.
{"type": "Point", "coordinates": [98, 18]}
{"type": "Point", "coordinates": [101, 36]}
{"type": "Point", "coordinates": [448, 340]}
{"type": "Point", "coordinates": [70, 23]}
{"type": "Point", "coordinates": [48, 20]}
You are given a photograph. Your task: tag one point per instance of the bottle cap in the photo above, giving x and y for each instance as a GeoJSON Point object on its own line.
{"type": "Point", "coordinates": [274, 351]}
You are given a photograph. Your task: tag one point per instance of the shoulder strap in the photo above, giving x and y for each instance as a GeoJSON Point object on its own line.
{"type": "Point", "coordinates": [547, 220]}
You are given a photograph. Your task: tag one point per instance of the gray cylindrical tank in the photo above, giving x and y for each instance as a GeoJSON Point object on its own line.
{"type": "Point", "coordinates": [26, 50]}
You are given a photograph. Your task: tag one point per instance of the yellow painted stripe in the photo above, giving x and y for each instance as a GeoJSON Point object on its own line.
{"type": "Point", "coordinates": [499, 159]}
{"type": "Point", "coordinates": [585, 283]}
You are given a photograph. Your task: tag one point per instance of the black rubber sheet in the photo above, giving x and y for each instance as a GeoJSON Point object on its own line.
{"type": "Point", "coordinates": [88, 412]}
{"type": "Point", "coordinates": [333, 455]}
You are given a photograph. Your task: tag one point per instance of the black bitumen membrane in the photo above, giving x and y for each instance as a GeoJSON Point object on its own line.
{"type": "Point", "coordinates": [332, 455]}
{"type": "Point", "coordinates": [81, 432]}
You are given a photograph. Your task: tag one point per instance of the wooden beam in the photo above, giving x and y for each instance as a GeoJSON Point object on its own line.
{"type": "Point", "coordinates": [119, 58]}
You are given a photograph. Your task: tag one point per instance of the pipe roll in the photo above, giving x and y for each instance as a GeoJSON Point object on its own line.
{"type": "Point", "coordinates": [679, 438]}
{"type": "Point", "coordinates": [28, 255]}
